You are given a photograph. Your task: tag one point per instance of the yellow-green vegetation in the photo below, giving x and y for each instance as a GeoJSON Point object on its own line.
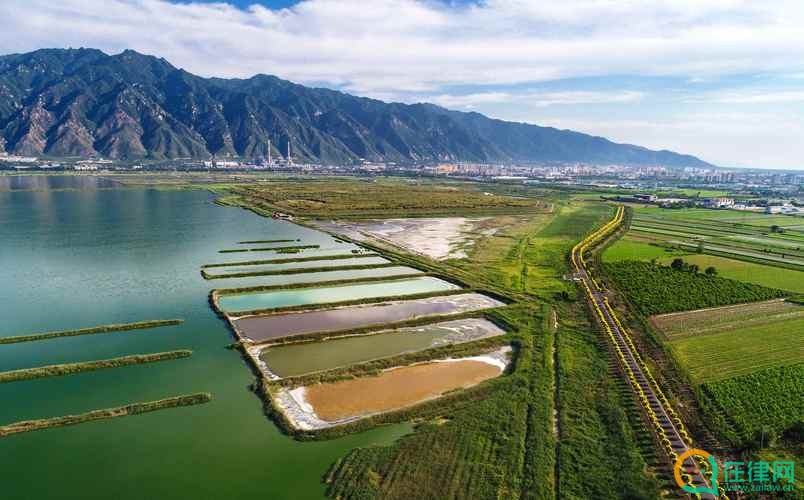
{"type": "Point", "coordinates": [378, 197]}
{"type": "Point", "coordinates": [749, 272]}
{"type": "Point", "coordinates": [88, 366]}
{"type": "Point", "coordinates": [702, 321]}
{"type": "Point", "coordinates": [120, 411]}
{"type": "Point", "coordinates": [776, 453]}
{"type": "Point", "coordinates": [531, 256]}
{"type": "Point", "coordinates": [283, 249]}
{"type": "Point", "coordinates": [657, 289]}
{"type": "Point", "coordinates": [594, 419]}
{"type": "Point", "coordinates": [503, 445]}
{"type": "Point", "coordinates": [769, 401]}
{"type": "Point", "coordinates": [630, 248]}
{"type": "Point", "coordinates": [123, 327]}
{"type": "Point", "coordinates": [751, 237]}
{"type": "Point", "coordinates": [733, 348]}
{"type": "Point", "coordinates": [299, 270]}
{"type": "Point", "coordinates": [251, 242]}
{"type": "Point", "coordinates": [289, 260]}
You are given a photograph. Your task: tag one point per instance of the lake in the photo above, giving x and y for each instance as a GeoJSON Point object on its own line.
{"type": "Point", "coordinates": [83, 257]}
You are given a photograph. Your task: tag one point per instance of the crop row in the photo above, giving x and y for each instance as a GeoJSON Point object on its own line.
{"type": "Point", "coordinates": [657, 289]}
{"type": "Point", "coordinates": [769, 401]}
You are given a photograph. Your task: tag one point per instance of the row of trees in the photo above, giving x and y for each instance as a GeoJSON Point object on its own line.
{"type": "Point", "coordinates": [655, 289]}
{"type": "Point", "coordinates": [681, 265]}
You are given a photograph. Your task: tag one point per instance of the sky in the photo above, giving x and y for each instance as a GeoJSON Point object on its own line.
{"type": "Point", "coordinates": [720, 79]}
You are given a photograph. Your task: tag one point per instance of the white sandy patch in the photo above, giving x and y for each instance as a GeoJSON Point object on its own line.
{"type": "Point", "coordinates": [438, 238]}
{"type": "Point", "coordinates": [497, 358]}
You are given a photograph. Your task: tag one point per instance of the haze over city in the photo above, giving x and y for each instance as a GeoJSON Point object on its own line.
{"type": "Point", "coordinates": [723, 81]}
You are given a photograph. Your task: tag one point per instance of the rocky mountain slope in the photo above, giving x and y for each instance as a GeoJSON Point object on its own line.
{"type": "Point", "coordinates": [83, 102]}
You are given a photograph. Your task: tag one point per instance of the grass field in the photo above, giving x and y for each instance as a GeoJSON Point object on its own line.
{"type": "Point", "coordinates": [531, 255]}
{"type": "Point", "coordinates": [694, 323]}
{"type": "Point", "coordinates": [379, 197]}
{"type": "Point", "coordinates": [630, 248]}
{"type": "Point", "coordinates": [749, 272]}
{"type": "Point", "coordinates": [726, 342]}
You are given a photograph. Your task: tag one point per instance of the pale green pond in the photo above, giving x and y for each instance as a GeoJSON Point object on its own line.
{"type": "Point", "coordinates": [299, 359]}
{"type": "Point", "coordinates": [339, 293]}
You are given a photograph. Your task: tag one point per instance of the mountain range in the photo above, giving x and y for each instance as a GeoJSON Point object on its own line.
{"type": "Point", "coordinates": [83, 102]}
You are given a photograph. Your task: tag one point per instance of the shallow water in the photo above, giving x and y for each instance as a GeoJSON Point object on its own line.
{"type": "Point", "coordinates": [298, 359]}
{"type": "Point", "coordinates": [339, 293]}
{"type": "Point", "coordinates": [50, 182]}
{"type": "Point", "coordinates": [317, 277]}
{"type": "Point", "coordinates": [283, 266]}
{"type": "Point", "coordinates": [72, 259]}
{"type": "Point", "coordinates": [262, 328]}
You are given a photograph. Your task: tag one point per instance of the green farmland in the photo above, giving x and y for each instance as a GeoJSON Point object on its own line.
{"type": "Point", "coordinates": [748, 272]}
{"type": "Point", "coordinates": [771, 399]}
{"type": "Point", "coordinates": [633, 248]}
{"type": "Point", "coordinates": [714, 344]}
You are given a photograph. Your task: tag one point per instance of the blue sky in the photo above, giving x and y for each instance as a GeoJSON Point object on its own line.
{"type": "Point", "coordinates": [721, 79]}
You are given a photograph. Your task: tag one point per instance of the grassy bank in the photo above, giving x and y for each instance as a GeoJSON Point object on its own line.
{"type": "Point", "coordinates": [120, 411]}
{"type": "Point", "coordinates": [257, 242]}
{"type": "Point", "coordinates": [332, 305]}
{"type": "Point", "coordinates": [288, 260]}
{"type": "Point", "coordinates": [288, 249]}
{"type": "Point", "coordinates": [374, 367]}
{"type": "Point", "coordinates": [324, 335]}
{"type": "Point", "coordinates": [88, 366]}
{"type": "Point", "coordinates": [300, 270]}
{"type": "Point", "coordinates": [122, 327]}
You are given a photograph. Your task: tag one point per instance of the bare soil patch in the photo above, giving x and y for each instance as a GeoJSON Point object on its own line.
{"type": "Point", "coordinates": [396, 388]}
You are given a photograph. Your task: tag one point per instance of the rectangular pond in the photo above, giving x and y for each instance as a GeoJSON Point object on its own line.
{"type": "Point", "coordinates": [316, 277]}
{"type": "Point", "coordinates": [285, 266]}
{"type": "Point", "coordinates": [299, 359]}
{"type": "Point", "coordinates": [332, 403]}
{"type": "Point", "coordinates": [263, 328]}
{"type": "Point", "coordinates": [336, 293]}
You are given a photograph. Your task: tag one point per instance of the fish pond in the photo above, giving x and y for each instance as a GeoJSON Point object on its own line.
{"type": "Point", "coordinates": [336, 293]}
{"type": "Point", "coordinates": [274, 326]}
{"type": "Point", "coordinates": [299, 359]}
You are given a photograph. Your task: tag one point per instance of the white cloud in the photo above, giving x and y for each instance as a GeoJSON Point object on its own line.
{"type": "Point", "coordinates": [725, 138]}
{"type": "Point", "coordinates": [756, 96]}
{"type": "Point", "coordinates": [536, 99]}
{"type": "Point", "coordinates": [407, 45]}
{"type": "Point", "coordinates": [420, 49]}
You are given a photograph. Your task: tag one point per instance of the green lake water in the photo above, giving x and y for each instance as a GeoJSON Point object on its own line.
{"type": "Point", "coordinates": [298, 359]}
{"type": "Point", "coordinates": [283, 266]}
{"type": "Point", "coordinates": [285, 279]}
{"type": "Point", "coordinates": [79, 258]}
{"type": "Point", "coordinates": [322, 295]}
